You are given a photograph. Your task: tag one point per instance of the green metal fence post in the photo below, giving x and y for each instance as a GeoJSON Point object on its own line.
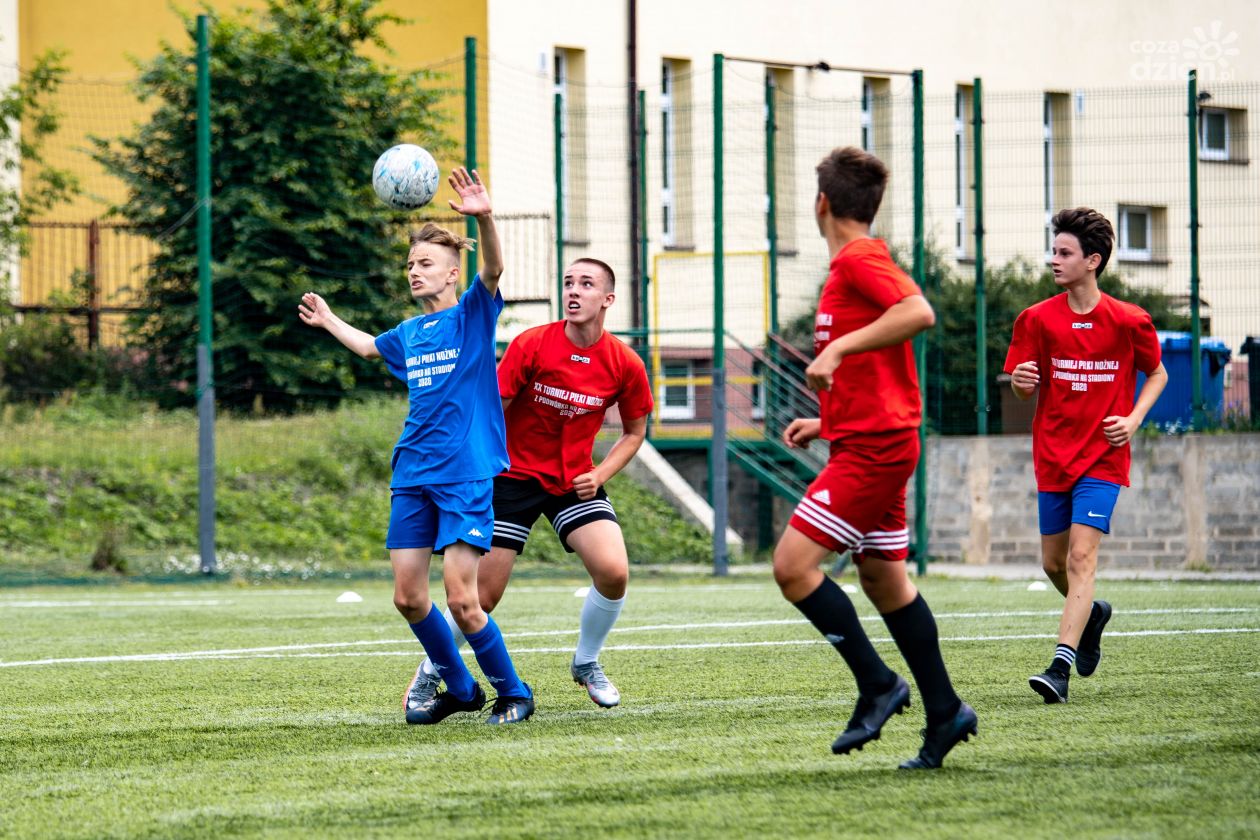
{"type": "Point", "coordinates": [920, 340]}
{"type": "Point", "coordinates": [558, 135]}
{"type": "Point", "coordinates": [1196, 337]}
{"type": "Point", "coordinates": [982, 364]}
{"type": "Point", "coordinates": [205, 313]}
{"type": "Point", "coordinates": [718, 443]}
{"type": "Point", "coordinates": [470, 142]}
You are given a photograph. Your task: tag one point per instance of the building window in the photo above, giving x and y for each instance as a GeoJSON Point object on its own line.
{"type": "Point", "coordinates": [676, 391]}
{"type": "Point", "coordinates": [668, 144]}
{"type": "Point", "coordinates": [868, 93]}
{"type": "Point", "coordinates": [757, 390]}
{"type": "Point", "coordinates": [1056, 160]}
{"type": "Point", "coordinates": [1136, 238]}
{"type": "Point", "coordinates": [1223, 134]}
{"type": "Point", "coordinates": [876, 138]}
{"type": "Point", "coordinates": [1213, 134]}
{"type": "Point", "coordinates": [569, 74]}
{"type": "Point", "coordinates": [675, 105]}
{"type": "Point", "coordinates": [785, 165]}
{"type": "Point", "coordinates": [962, 181]}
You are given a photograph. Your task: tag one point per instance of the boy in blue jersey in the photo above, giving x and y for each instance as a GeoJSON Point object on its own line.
{"type": "Point", "coordinates": [451, 448]}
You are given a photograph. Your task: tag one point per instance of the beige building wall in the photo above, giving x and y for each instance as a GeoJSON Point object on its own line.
{"type": "Point", "coordinates": [1092, 57]}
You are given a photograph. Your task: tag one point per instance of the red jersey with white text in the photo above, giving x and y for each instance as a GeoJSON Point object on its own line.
{"type": "Point", "coordinates": [560, 393]}
{"type": "Point", "coordinates": [876, 391]}
{"type": "Point", "coordinates": [1088, 366]}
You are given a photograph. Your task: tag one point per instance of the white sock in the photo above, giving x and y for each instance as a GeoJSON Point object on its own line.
{"type": "Point", "coordinates": [455, 631]}
{"type": "Point", "coordinates": [599, 614]}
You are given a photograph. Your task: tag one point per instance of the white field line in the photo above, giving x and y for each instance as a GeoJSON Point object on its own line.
{"type": "Point", "coordinates": [301, 650]}
{"type": "Point", "coordinates": [49, 605]}
{"type": "Point", "coordinates": [412, 652]}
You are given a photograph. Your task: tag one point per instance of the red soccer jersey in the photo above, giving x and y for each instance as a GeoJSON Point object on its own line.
{"type": "Point", "coordinates": [559, 394]}
{"type": "Point", "coordinates": [876, 391]}
{"type": "Point", "coordinates": [1088, 366]}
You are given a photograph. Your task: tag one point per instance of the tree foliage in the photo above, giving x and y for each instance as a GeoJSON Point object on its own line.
{"type": "Point", "coordinates": [27, 118]}
{"type": "Point", "coordinates": [298, 116]}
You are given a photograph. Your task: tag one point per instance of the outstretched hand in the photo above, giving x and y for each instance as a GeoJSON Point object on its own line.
{"type": "Point", "coordinates": [313, 311]}
{"type": "Point", "coordinates": [474, 199]}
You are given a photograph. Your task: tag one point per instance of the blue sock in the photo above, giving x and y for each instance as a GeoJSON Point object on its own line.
{"type": "Point", "coordinates": [492, 656]}
{"type": "Point", "coordinates": [436, 639]}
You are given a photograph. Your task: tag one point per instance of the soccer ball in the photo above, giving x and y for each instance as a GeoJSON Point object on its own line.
{"type": "Point", "coordinates": [405, 177]}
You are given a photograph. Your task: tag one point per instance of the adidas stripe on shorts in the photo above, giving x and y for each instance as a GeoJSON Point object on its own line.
{"type": "Point", "coordinates": [519, 502]}
{"type": "Point", "coordinates": [858, 501]}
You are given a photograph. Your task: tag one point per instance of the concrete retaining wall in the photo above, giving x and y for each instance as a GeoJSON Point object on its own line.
{"type": "Point", "coordinates": [1193, 503]}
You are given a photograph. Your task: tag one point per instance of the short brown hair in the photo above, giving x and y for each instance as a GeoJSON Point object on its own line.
{"type": "Point", "coordinates": [441, 236]}
{"type": "Point", "coordinates": [854, 182]}
{"type": "Point", "coordinates": [1090, 228]}
{"type": "Point", "coordinates": [612, 278]}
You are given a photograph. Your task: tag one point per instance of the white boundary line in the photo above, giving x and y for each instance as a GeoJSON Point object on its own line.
{"type": "Point", "coordinates": [301, 650]}
{"type": "Point", "coordinates": [412, 653]}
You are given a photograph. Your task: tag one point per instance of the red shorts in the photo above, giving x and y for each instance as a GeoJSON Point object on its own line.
{"type": "Point", "coordinates": [858, 501]}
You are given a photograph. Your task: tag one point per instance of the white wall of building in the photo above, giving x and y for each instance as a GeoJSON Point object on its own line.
{"type": "Point", "coordinates": [1090, 53]}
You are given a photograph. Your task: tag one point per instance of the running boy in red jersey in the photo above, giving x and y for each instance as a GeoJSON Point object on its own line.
{"type": "Point", "coordinates": [1089, 346]}
{"type": "Point", "coordinates": [870, 412]}
{"type": "Point", "coordinates": [557, 381]}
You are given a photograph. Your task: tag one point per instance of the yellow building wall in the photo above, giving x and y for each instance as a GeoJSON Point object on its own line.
{"type": "Point", "coordinates": [101, 38]}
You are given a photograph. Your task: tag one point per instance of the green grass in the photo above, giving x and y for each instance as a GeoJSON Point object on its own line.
{"type": "Point", "coordinates": [301, 496]}
{"type": "Point", "coordinates": [724, 740]}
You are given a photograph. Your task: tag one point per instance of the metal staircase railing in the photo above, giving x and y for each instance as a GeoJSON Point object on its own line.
{"type": "Point", "coordinates": [766, 391]}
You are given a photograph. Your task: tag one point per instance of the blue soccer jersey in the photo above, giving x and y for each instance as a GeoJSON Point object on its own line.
{"type": "Point", "coordinates": [454, 430]}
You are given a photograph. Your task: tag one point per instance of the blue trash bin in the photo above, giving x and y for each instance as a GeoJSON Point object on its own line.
{"type": "Point", "coordinates": [1174, 408]}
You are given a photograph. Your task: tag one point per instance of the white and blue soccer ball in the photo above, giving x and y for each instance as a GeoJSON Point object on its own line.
{"type": "Point", "coordinates": [405, 177]}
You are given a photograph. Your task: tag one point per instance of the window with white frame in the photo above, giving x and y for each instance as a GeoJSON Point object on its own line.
{"type": "Point", "coordinates": [1213, 134]}
{"type": "Point", "coordinates": [676, 391]}
{"type": "Point", "coordinates": [668, 146]}
{"type": "Point", "coordinates": [868, 136]}
{"type": "Point", "coordinates": [1047, 172]}
{"type": "Point", "coordinates": [569, 75]}
{"type": "Point", "coordinates": [1135, 238]}
{"type": "Point", "coordinates": [962, 149]}
{"type": "Point", "coordinates": [562, 88]}
{"type": "Point", "coordinates": [783, 80]}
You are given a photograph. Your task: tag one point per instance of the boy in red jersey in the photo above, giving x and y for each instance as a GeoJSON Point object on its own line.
{"type": "Point", "coordinates": [869, 398]}
{"type": "Point", "coordinates": [557, 381]}
{"type": "Point", "coordinates": [1092, 346]}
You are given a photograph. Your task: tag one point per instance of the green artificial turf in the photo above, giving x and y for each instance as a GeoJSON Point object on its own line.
{"type": "Point", "coordinates": [262, 711]}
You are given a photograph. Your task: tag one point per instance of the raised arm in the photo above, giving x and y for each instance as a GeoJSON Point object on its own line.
{"type": "Point", "coordinates": [474, 201]}
{"type": "Point", "coordinates": [315, 312]}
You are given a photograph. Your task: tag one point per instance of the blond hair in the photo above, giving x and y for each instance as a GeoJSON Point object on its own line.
{"type": "Point", "coordinates": [441, 236]}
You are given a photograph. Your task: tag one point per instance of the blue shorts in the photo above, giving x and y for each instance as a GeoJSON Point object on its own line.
{"type": "Point", "coordinates": [436, 515]}
{"type": "Point", "coordinates": [1089, 502]}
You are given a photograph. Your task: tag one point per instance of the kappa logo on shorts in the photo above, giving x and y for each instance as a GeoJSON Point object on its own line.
{"type": "Point", "coordinates": [823, 496]}
{"type": "Point", "coordinates": [475, 533]}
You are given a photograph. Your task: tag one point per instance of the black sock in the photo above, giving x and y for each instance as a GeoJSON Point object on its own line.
{"type": "Point", "coordinates": [913, 628]}
{"type": "Point", "coordinates": [831, 611]}
{"type": "Point", "coordinates": [1064, 656]}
